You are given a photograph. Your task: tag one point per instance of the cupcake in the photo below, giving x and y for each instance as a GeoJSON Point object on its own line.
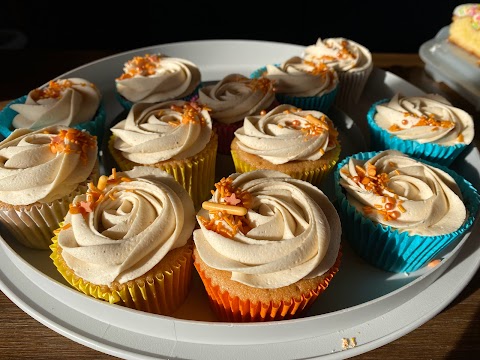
{"type": "Point", "coordinates": [233, 98]}
{"type": "Point", "coordinates": [301, 143]}
{"type": "Point", "coordinates": [157, 78]}
{"type": "Point", "coordinates": [268, 245]}
{"type": "Point", "coordinates": [72, 102]}
{"type": "Point", "coordinates": [41, 172]}
{"type": "Point", "coordinates": [301, 83]}
{"type": "Point", "coordinates": [352, 62]}
{"type": "Point", "coordinates": [399, 212]}
{"type": "Point", "coordinates": [175, 136]}
{"type": "Point", "coordinates": [128, 241]}
{"type": "Point", "coordinates": [426, 127]}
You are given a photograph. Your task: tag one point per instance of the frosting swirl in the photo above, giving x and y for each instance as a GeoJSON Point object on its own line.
{"type": "Point", "coordinates": [65, 102]}
{"type": "Point", "coordinates": [297, 77]}
{"type": "Point", "coordinates": [426, 119]}
{"type": "Point", "coordinates": [286, 134]}
{"type": "Point", "coordinates": [143, 214]}
{"type": "Point", "coordinates": [290, 230]}
{"type": "Point", "coordinates": [237, 96]}
{"type": "Point", "coordinates": [469, 10]}
{"type": "Point", "coordinates": [340, 54]}
{"type": "Point", "coordinates": [395, 190]}
{"type": "Point", "coordinates": [44, 165]}
{"type": "Point", "coordinates": [156, 78]}
{"type": "Point", "coordinates": [169, 130]}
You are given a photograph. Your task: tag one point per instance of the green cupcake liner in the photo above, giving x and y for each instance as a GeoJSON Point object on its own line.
{"type": "Point", "coordinates": [385, 247]}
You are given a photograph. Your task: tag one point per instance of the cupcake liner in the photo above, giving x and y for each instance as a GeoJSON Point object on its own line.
{"type": "Point", "coordinates": [226, 135]}
{"type": "Point", "coordinates": [389, 249]}
{"type": "Point", "coordinates": [351, 85]}
{"type": "Point", "coordinates": [196, 174]}
{"type": "Point", "coordinates": [231, 308]}
{"type": "Point", "coordinates": [321, 103]}
{"type": "Point", "coordinates": [314, 175]}
{"type": "Point", "coordinates": [127, 104]}
{"type": "Point", "coordinates": [161, 291]}
{"type": "Point", "coordinates": [381, 139]}
{"type": "Point", "coordinates": [33, 225]}
{"type": "Point", "coordinates": [95, 127]}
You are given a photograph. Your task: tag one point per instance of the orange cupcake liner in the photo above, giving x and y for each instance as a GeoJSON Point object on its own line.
{"type": "Point", "coordinates": [158, 292]}
{"type": "Point", "coordinates": [230, 308]}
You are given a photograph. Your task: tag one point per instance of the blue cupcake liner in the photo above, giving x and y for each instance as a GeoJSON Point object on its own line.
{"type": "Point", "coordinates": [385, 247]}
{"type": "Point", "coordinates": [321, 103]}
{"type": "Point", "coordinates": [95, 127]}
{"type": "Point", "coordinates": [127, 104]}
{"type": "Point", "coordinates": [381, 139]}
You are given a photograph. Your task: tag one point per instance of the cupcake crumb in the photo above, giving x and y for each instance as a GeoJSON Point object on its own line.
{"type": "Point", "coordinates": [348, 343]}
{"type": "Point", "coordinates": [434, 263]}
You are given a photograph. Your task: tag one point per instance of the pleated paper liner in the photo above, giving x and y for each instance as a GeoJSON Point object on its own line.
{"type": "Point", "coordinates": [228, 306]}
{"type": "Point", "coordinates": [196, 174]}
{"type": "Point", "coordinates": [162, 290]}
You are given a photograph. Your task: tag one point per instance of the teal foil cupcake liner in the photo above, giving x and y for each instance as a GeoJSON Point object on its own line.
{"type": "Point", "coordinates": [387, 248]}
{"type": "Point", "coordinates": [95, 127]}
{"type": "Point", "coordinates": [127, 104]}
{"type": "Point", "coordinates": [321, 103]}
{"type": "Point", "coordinates": [381, 139]}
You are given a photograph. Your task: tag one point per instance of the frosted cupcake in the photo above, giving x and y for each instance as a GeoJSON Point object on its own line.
{"type": "Point", "coordinates": [301, 83]}
{"type": "Point", "coordinates": [72, 102]}
{"type": "Point", "coordinates": [233, 98]}
{"type": "Point", "coordinates": [301, 143]}
{"type": "Point", "coordinates": [352, 62]}
{"type": "Point", "coordinates": [398, 212]}
{"type": "Point", "coordinates": [428, 127]}
{"type": "Point", "coordinates": [175, 136]}
{"type": "Point", "coordinates": [127, 241]}
{"type": "Point", "coordinates": [268, 245]}
{"type": "Point", "coordinates": [155, 78]}
{"type": "Point", "coordinates": [41, 172]}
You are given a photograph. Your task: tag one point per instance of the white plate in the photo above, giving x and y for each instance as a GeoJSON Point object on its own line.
{"type": "Point", "coordinates": [371, 305]}
{"type": "Point", "coordinates": [448, 63]}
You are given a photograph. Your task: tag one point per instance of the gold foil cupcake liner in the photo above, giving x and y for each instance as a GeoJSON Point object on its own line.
{"type": "Point", "coordinates": [160, 291]}
{"type": "Point", "coordinates": [195, 174]}
{"type": "Point", "coordinates": [230, 308]}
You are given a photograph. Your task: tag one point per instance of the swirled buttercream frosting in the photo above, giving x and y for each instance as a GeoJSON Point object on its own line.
{"type": "Point", "coordinates": [340, 54]}
{"type": "Point", "coordinates": [44, 165]}
{"type": "Point", "coordinates": [125, 225]}
{"type": "Point", "coordinates": [237, 96]}
{"type": "Point", "coordinates": [286, 134]}
{"type": "Point", "coordinates": [155, 78]}
{"type": "Point", "coordinates": [426, 119]}
{"type": "Point", "coordinates": [397, 191]}
{"type": "Point", "coordinates": [298, 77]}
{"type": "Point", "coordinates": [268, 229]}
{"type": "Point", "coordinates": [65, 102]}
{"type": "Point", "coordinates": [163, 131]}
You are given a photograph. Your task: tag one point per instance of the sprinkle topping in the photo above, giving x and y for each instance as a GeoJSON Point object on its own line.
{"type": "Point", "coordinates": [73, 141]}
{"type": "Point", "coordinates": [430, 120]}
{"type": "Point", "coordinates": [262, 84]}
{"type": "Point", "coordinates": [191, 113]}
{"type": "Point", "coordinates": [141, 66]}
{"type": "Point", "coordinates": [53, 90]}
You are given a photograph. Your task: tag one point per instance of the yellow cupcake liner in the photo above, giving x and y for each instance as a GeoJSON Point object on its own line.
{"type": "Point", "coordinates": [195, 174]}
{"type": "Point", "coordinates": [230, 308]}
{"type": "Point", "coordinates": [158, 291]}
{"type": "Point", "coordinates": [314, 176]}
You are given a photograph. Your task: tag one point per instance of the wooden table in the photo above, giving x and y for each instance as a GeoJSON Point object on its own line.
{"type": "Point", "coordinates": [453, 334]}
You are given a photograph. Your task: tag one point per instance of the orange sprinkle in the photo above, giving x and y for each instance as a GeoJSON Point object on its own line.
{"type": "Point", "coordinates": [434, 263]}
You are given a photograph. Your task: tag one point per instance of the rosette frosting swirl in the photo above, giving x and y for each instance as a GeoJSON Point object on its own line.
{"type": "Point", "coordinates": [44, 165]}
{"type": "Point", "coordinates": [124, 227]}
{"type": "Point", "coordinates": [156, 78]}
{"type": "Point", "coordinates": [426, 119]}
{"type": "Point", "coordinates": [286, 134]}
{"type": "Point", "coordinates": [164, 131]}
{"type": "Point", "coordinates": [290, 230]}
{"type": "Point", "coordinates": [65, 102]}
{"type": "Point", "coordinates": [340, 54]}
{"type": "Point", "coordinates": [297, 77]}
{"type": "Point", "coordinates": [395, 190]}
{"type": "Point", "coordinates": [237, 96]}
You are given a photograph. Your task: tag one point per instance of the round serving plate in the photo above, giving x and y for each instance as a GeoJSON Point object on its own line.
{"type": "Point", "coordinates": [362, 302]}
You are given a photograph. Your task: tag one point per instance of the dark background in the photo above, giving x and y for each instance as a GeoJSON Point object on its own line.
{"type": "Point", "coordinates": [388, 26]}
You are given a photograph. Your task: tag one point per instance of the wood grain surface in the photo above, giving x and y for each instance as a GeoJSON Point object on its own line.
{"type": "Point", "coordinates": [452, 334]}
